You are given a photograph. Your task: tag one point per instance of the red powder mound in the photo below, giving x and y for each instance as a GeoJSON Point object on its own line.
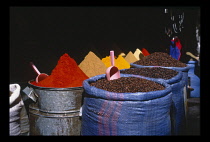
{"type": "Point", "coordinates": [145, 52]}
{"type": "Point", "coordinates": [65, 74]}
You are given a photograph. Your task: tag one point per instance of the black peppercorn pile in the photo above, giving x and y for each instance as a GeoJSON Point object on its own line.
{"type": "Point", "coordinates": [160, 59]}
{"type": "Point", "coordinates": [154, 72]}
{"type": "Point", "coordinates": [127, 85]}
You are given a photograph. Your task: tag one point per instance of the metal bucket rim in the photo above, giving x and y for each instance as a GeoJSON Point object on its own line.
{"type": "Point", "coordinates": [54, 89]}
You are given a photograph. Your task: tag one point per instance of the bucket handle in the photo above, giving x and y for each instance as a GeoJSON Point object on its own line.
{"type": "Point", "coordinates": [31, 93]}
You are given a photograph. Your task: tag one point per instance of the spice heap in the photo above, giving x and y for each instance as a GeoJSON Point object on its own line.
{"type": "Point", "coordinates": [153, 72]}
{"type": "Point", "coordinates": [92, 65]}
{"type": "Point", "coordinates": [160, 59]}
{"type": "Point", "coordinates": [120, 62]}
{"type": "Point", "coordinates": [145, 52]}
{"type": "Point", "coordinates": [130, 58]}
{"type": "Point", "coordinates": [65, 74]}
{"type": "Point", "coordinates": [122, 54]}
{"type": "Point", "coordinates": [136, 53]}
{"type": "Point", "coordinates": [127, 85]}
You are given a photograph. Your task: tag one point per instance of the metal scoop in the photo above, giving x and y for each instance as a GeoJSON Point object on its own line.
{"type": "Point", "coordinates": [41, 76]}
{"type": "Point", "coordinates": [112, 72]}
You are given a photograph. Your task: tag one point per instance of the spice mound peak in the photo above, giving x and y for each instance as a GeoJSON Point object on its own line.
{"type": "Point", "coordinates": [65, 74]}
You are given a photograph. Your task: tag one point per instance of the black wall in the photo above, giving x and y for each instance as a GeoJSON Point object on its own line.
{"type": "Point", "coordinates": [43, 34]}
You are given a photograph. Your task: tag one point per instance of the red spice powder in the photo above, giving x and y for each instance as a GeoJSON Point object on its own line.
{"type": "Point", "coordinates": [65, 74]}
{"type": "Point", "coordinates": [145, 52]}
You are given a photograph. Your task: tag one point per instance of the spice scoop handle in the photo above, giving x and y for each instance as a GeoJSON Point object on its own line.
{"type": "Point", "coordinates": [112, 57]}
{"type": "Point", "coordinates": [41, 76]}
{"type": "Point", "coordinates": [112, 72]}
{"type": "Point", "coordinates": [34, 67]}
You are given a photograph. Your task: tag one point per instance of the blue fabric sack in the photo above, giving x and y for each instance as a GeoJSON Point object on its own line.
{"type": "Point", "coordinates": [194, 80]}
{"type": "Point", "coordinates": [110, 113]}
{"type": "Point", "coordinates": [177, 108]}
{"type": "Point", "coordinates": [184, 80]}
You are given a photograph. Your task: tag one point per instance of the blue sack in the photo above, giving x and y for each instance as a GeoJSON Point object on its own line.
{"type": "Point", "coordinates": [177, 108]}
{"type": "Point", "coordinates": [110, 113]}
{"type": "Point", "coordinates": [194, 80]}
{"type": "Point", "coordinates": [184, 79]}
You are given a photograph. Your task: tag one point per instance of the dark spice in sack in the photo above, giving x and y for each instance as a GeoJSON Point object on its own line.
{"type": "Point", "coordinates": [153, 72]}
{"type": "Point", "coordinates": [174, 78]}
{"type": "Point", "coordinates": [127, 84]}
{"type": "Point", "coordinates": [111, 113]}
{"type": "Point", "coordinates": [164, 60]}
{"type": "Point", "coordinates": [160, 59]}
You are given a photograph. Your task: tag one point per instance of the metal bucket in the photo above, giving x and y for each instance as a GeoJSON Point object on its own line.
{"type": "Point", "coordinates": [56, 111]}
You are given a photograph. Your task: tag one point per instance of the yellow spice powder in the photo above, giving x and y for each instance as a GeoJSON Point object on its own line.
{"type": "Point", "coordinates": [120, 62]}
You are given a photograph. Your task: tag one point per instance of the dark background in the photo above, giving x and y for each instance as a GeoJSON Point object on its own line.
{"type": "Point", "coordinates": [43, 34]}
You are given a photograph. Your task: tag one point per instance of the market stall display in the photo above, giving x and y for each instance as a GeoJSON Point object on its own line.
{"type": "Point", "coordinates": [145, 100]}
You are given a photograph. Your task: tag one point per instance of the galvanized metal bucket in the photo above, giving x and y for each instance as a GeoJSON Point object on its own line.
{"type": "Point", "coordinates": [56, 111]}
